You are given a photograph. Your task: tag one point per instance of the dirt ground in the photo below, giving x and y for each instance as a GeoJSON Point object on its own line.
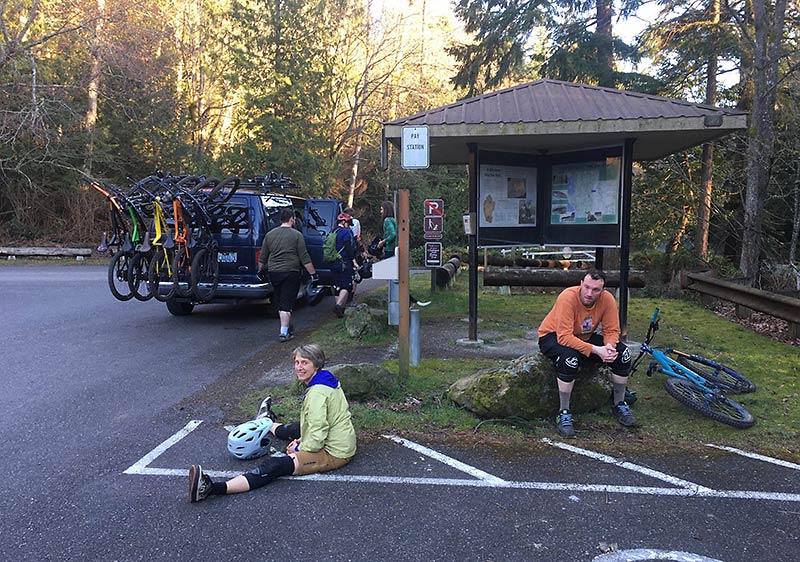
{"type": "Point", "coordinates": [764, 324]}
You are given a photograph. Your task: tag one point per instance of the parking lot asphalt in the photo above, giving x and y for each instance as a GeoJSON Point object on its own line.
{"type": "Point", "coordinates": [402, 499]}
{"type": "Point", "coordinates": [106, 404]}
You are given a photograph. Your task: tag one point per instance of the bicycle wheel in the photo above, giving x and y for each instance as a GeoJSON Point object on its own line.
{"type": "Point", "coordinates": [725, 377]}
{"type": "Point", "coordinates": [207, 184]}
{"type": "Point", "coordinates": [157, 272]}
{"type": "Point", "coordinates": [137, 277]}
{"type": "Point", "coordinates": [716, 406]}
{"type": "Point", "coordinates": [118, 269]}
{"type": "Point", "coordinates": [205, 274]}
{"type": "Point", "coordinates": [224, 190]}
{"type": "Point", "coordinates": [181, 273]}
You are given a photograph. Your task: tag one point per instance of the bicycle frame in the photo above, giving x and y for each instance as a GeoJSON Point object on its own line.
{"type": "Point", "coordinates": [692, 388]}
{"type": "Point", "coordinates": [668, 366]}
{"type": "Point", "coordinates": [671, 368]}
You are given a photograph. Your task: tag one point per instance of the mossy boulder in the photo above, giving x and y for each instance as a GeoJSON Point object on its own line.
{"type": "Point", "coordinates": [362, 321]}
{"type": "Point", "coordinates": [526, 388]}
{"type": "Point", "coordinates": [365, 381]}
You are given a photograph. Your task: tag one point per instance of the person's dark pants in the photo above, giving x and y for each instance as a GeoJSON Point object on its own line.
{"type": "Point", "coordinates": [567, 360]}
{"type": "Point", "coordinates": [344, 275]}
{"type": "Point", "coordinates": [285, 286]}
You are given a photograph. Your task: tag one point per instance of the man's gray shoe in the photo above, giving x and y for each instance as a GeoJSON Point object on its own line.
{"type": "Point", "coordinates": [265, 410]}
{"type": "Point", "coordinates": [283, 338]}
{"type": "Point", "coordinates": [564, 424]}
{"type": "Point", "coordinates": [199, 484]}
{"type": "Point", "coordinates": [624, 415]}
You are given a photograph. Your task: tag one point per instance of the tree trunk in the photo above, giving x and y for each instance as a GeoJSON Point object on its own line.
{"type": "Point", "coordinates": [766, 54]}
{"type": "Point", "coordinates": [707, 166]}
{"type": "Point", "coordinates": [94, 85]}
{"type": "Point", "coordinates": [796, 216]}
{"type": "Point", "coordinates": [605, 49]}
{"type": "Point", "coordinates": [676, 239]}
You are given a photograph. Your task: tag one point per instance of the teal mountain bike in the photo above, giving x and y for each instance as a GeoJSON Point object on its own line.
{"type": "Point", "coordinates": [697, 382]}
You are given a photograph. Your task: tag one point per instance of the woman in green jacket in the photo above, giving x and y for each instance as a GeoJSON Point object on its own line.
{"type": "Point", "coordinates": [389, 241]}
{"type": "Point", "coordinates": [323, 440]}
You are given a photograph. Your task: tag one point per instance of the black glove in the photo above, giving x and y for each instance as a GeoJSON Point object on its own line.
{"type": "Point", "coordinates": [314, 278]}
{"type": "Point", "coordinates": [263, 275]}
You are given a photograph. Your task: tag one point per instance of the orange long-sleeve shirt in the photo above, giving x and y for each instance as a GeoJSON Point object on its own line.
{"type": "Point", "coordinates": [573, 323]}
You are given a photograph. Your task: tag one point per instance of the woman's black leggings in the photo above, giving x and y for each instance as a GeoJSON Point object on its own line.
{"type": "Point", "coordinates": [274, 467]}
{"type": "Point", "coordinates": [288, 431]}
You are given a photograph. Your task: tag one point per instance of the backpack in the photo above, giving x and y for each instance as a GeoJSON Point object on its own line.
{"type": "Point", "coordinates": [329, 252]}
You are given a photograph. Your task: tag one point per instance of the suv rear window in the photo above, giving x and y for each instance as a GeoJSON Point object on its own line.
{"type": "Point", "coordinates": [236, 217]}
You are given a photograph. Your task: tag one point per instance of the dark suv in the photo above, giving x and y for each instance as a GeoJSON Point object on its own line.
{"type": "Point", "coordinates": [257, 209]}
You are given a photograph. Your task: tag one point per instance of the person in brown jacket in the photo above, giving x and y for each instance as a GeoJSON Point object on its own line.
{"type": "Point", "coordinates": [584, 325]}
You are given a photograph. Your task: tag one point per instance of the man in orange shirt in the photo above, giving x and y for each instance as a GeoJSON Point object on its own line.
{"type": "Point", "coordinates": [584, 324]}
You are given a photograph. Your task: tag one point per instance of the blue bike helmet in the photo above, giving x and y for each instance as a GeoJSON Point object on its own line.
{"type": "Point", "coordinates": [250, 440]}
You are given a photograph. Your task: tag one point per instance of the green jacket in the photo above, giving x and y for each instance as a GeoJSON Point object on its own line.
{"type": "Point", "coordinates": [325, 421]}
{"type": "Point", "coordinates": [389, 235]}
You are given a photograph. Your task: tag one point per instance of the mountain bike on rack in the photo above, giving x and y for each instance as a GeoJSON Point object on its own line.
{"type": "Point", "coordinates": [146, 190]}
{"type": "Point", "coordinates": [160, 268]}
{"type": "Point", "coordinates": [699, 389]}
{"type": "Point", "coordinates": [127, 226]}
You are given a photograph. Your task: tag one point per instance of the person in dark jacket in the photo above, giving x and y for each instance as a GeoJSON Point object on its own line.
{"type": "Point", "coordinates": [346, 267]}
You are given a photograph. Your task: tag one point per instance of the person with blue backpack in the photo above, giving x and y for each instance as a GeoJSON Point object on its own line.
{"type": "Point", "coordinates": [345, 265]}
{"type": "Point", "coordinates": [323, 440]}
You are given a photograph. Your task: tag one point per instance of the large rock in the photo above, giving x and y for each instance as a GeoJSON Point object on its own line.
{"type": "Point", "coordinates": [526, 388]}
{"type": "Point", "coordinates": [365, 381]}
{"type": "Point", "coordinates": [362, 321]}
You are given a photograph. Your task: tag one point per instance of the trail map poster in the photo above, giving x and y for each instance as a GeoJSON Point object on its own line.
{"type": "Point", "coordinates": [507, 196]}
{"type": "Point", "coordinates": [586, 193]}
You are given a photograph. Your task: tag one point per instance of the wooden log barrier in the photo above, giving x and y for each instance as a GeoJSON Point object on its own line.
{"type": "Point", "coordinates": [449, 270]}
{"type": "Point", "coordinates": [526, 277]}
{"type": "Point", "coordinates": [521, 261]}
{"type": "Point", "coordinates": [46, 251]}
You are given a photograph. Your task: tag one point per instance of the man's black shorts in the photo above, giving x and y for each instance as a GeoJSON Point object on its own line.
{"type": "Point", "coordinates": [285, 286]}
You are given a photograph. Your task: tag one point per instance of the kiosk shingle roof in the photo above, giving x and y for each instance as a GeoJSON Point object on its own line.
{"type": "Point", "coordinates": [555, 116]}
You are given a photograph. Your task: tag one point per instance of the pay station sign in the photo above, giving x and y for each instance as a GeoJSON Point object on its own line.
{"type": "Point", "coordinates": [433, 254]}
{"type": "Point", "coordinates": [415, 148]}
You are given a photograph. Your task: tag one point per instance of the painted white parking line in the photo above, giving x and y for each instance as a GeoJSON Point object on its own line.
{"type": "Point", "coordinates": [629, 466]}
{"type": "Point", "coordinates": [480, 478]}
{"type": "Point", "coordinates": [650, 554]}
{"type": "Point", "coordinates": [558, 486]}
{"type": "Point", "coordinates": [458, 465]}
{"type": "Point", "coordinates": [142, 463]}
{"type": "Point", "coordinates": [756, 456]}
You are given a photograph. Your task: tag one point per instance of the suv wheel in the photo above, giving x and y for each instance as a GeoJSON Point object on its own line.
{"type": "Point", "coordinates": [177, 308]}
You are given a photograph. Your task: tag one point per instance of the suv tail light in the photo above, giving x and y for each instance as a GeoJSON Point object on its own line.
{"type": "Point", "coordinates": [258, 256]}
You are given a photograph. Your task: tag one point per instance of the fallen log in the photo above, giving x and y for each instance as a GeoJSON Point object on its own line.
{"type": "Point", "coordinates": [526, 277]}
{"type": "Point", "coordinates": [449, 270]}
{"type": "Point", "coordinates": [45, 251]}
{"type": "Point", "coordinates": [521, 261]}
